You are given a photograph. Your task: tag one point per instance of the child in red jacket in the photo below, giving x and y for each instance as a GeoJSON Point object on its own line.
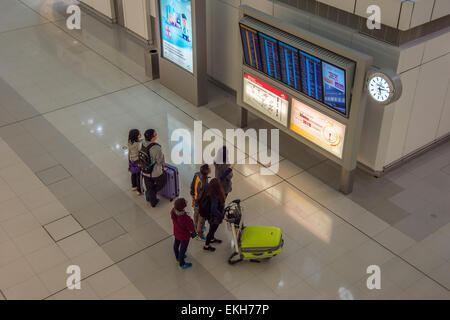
{"type": "Point", "coordinates": [183, 226]}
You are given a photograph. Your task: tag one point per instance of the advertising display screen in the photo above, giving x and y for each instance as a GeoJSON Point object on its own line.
{"type": "Point", "coordinates": [250, 43]}
{"type": "Point", "coordinates": [312, 76]}
{"type": "Point", "coordinates": [269, 56]}
{"type": "Point", "coordinates": [318, 128]}
{"type": "Point", "coordinates": [176, 32]}
{"type": "Point", "coordinates": [334, 87]}
{"type": "Point", "coordinates": [290, 66]}
{"type": "Point", "coordinates": [266, 99]}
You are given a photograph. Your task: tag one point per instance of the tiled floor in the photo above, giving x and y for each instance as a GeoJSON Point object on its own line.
{"type": "Point", "coordinates": [68, 101]}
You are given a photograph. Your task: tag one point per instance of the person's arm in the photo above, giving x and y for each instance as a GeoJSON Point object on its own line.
{"type": "Point", "coordinates": [160, 157]}
{"type": "Point", "coordinates": [227, 173]}
{"type": "Point", "coordinates": [189, 224]}
{"type": "Point", "coordinates": [193, 186]}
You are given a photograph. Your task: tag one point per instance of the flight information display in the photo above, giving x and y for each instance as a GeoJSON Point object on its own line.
{"type": "Point", "coordinates": [250, 42]}
{"type": "Point", "coordinates": [334, 87]}
{"type": "Point", "coordinates": [312, 76]}
{"type": "Point", "coordinates": [290, 66]}
{"type": "Point", "coordinates": [296, 68]}
{"type": "Point", "coordinates": [270, 56]}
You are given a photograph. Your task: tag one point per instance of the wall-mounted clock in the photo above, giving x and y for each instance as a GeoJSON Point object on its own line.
{"type": "Point", "coordinates": [384, 86]}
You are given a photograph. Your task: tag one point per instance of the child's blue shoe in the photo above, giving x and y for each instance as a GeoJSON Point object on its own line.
{"type": "Point", "coordinates": [187, 265]}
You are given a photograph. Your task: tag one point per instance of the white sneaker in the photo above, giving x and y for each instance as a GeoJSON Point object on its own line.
{"type": "Point", "coordinates": [133, 189]}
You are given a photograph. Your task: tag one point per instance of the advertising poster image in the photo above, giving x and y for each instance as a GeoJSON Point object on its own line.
{"type": "Point", "coordinates": [318, 128]}
{"type": "Point", "coordinates": [334, 87]}
{"type": "Point", "coordinates": [266, 99]}
{"type": "Point", "coordinates": [176, 32]}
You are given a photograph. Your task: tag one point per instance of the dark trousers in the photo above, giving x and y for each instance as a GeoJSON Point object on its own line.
{"type": "Point", "coordinates": [212, 231]}
{"type": "Point", "coordinates": [180, 248]}
{"type": "Point", "coordinates": [153, 185]}
{"type": "Point", "coordinates": [136, 181]}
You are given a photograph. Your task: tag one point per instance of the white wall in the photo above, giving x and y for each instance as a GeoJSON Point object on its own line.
{"type": "Point", "coordinates": [102, 6]}
{"type": "Point", "coordinates": [135, 16]}
{"type": "Point", "coordinates": [423, 113]}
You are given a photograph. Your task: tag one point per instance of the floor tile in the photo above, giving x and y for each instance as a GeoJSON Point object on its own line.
{"type": "Point", "coordinates": [46, 258]}
{"type": "Point", "coordinates": [394, 240]}
{"type": "Point", "coordinates": [129, 292]}
{"type": "Point", "coordinates": [20, 225]}
{"type": "Point", "coordinates": [9, 253]}
{"type": "Point", "coordinates": [15, 273]}
{"type": "Point", "coordinates": [31, 289]}
{"type": "Point", "coordinates": [85, 293]}
{"type": "Point", "coordinates": [77, 244]}
{"type": "Point", "coordinates": [63, 228]}
{"type": "Point", "coordinates": [33, 241]}
{"type": "Point", "coordinates": [108, 281]}
{"type": "Point", "coordinates": [50, 213]}
{"type": "Point", "coordinates": [11, 208]}
{"type": "Point", "coordinates": [106, 231]}
{"type": "Point", "coordinates": [16, 15]}
{"type": "Point", "coordinates": [53, 175]}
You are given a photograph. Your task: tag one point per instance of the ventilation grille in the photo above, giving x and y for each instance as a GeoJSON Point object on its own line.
{"type": "Point", "coordinates": [300, 44]}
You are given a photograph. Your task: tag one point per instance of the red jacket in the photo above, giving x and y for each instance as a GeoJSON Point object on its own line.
{"type": "Point", "coordinates": [182, 226]}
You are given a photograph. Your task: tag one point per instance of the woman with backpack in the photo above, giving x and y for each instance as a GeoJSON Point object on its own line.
{"type": "Point", "coordinates": [134, 145]}
{"type": "Point", "coordinates": [216, 197]}
{"type": "Point", "coordinates": [183, 229]}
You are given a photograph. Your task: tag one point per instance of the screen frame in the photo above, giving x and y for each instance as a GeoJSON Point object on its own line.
{"type": "Point", "coordinates": [261, 52]}
{"type": "Point", "coordinates": [161, 41]}
{"type": "Point", "coordinates": [241, 25]}
{"type": "Point", "coordinates": [321, 67]}
{"type": "Point", "coordinates": [282, 44]}
{"type": "Point", "coordinates": [347, 95]}
{"type": "Point", "coordinates": [347, 84]}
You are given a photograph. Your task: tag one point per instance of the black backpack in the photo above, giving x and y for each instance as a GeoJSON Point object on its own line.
{"type": "Point", "coordinates": [204, 206]}
{"type": "Point", "coordinates": [145, 161]}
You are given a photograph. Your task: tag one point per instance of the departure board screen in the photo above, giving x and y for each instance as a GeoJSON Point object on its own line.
{"type": "Point", "coordinates": [312, 76]}
{"type": "Point", "coordinates": [334, 87]}
{"type": "Point", "coordinates": [269, 56]}
{"type": "Point", "coordinates": [250, 43]}
{"type": "Point", "coordinates": [290, 66]}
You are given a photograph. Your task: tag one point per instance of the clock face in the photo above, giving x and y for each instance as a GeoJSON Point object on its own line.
{"type": "Point", "coordinates": [380, 89]}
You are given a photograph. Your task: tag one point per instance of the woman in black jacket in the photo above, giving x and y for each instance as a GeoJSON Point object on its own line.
{"type": "Point", "coordinates": [215, 192]}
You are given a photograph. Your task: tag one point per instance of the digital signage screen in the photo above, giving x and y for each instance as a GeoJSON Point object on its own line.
{"type": "Point", "coordinates": [270, 56]}
{"type": "Point", "coordinates": [311, 76]}
{"type": "Point", "coordinates": [334, 87]}
{"type": "Point", "coordinates": [250, 43]}
{"type": "Point", "coordinates": [318, 128]}
{"type": "Point", "coordinates": [266, 99]}
{"type": "Point", "coordinates": [290, 66]}
{"type": "Point", "coordinates": [176, 32]}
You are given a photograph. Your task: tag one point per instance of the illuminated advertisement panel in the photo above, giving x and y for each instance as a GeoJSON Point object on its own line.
{"type": "Point", "coordinates": [266, 99]}
{"type": "Point", "coordinates": [318, 128]}
{"type": "Point", "coordinates": [176, 32]}
{"type": "Point", "coordinates": [334, 87]}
